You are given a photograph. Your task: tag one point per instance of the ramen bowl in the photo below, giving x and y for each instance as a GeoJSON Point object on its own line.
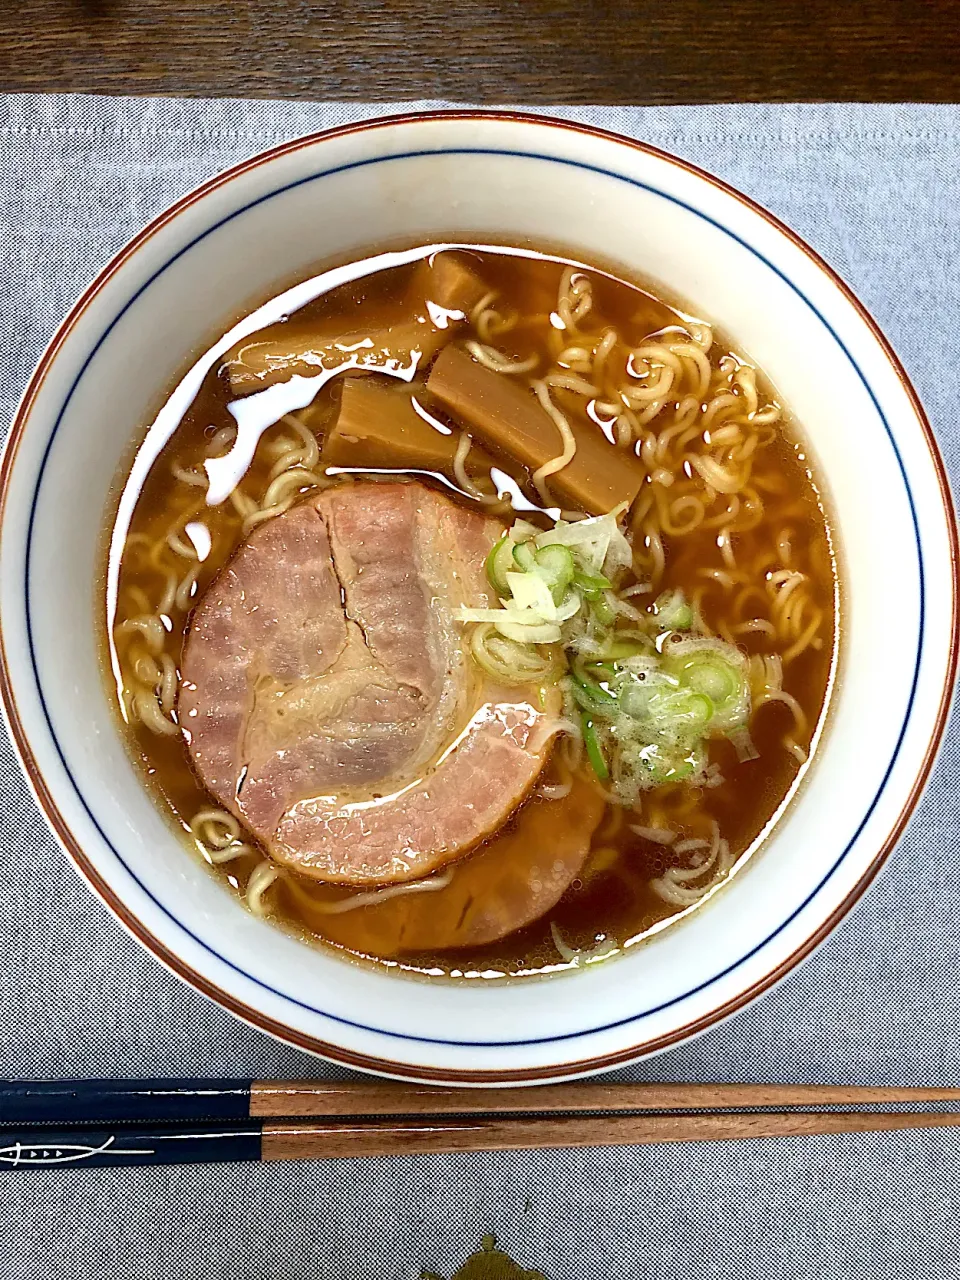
{"type": "Point", "coordinates": [493, 178]}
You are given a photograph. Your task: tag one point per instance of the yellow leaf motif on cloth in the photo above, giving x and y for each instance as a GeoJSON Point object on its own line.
{"type": "Point", "coordinates": [488, 1263]}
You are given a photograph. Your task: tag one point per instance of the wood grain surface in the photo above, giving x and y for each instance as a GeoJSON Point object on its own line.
{"type": "Point", "coordinates": [340, 1098]}
{"type": "Point", "coordinates": [605, 51]}
{"type": "Point", "coordinates": [523, 1133]}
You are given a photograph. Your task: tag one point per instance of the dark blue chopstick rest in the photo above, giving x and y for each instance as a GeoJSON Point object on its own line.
{"type": "Point", "coordinates": [135, 1101]}
{"type": "Point", "coordinates": [51, 1148]}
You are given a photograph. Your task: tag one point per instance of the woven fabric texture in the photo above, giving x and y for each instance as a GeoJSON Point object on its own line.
{"type": "Point", "coordinates": [877, 191]}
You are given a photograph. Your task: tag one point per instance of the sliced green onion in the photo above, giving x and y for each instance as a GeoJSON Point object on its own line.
{"type": "Point", "coordinates": [642, 680]}
{"type": "Point", "coordinates": [635, 701]}
{"type": "Point", "coordinates": [648, 694]}
{"type": "Point", "coordinates": [685, 711]}
{"type": "Point", "coordinates": [587, 671]}
{"type": "Point", "coordinates": [598, 541]}
{"type": "Point", "coordinates": [555, 565]}
{"type": "Point", "coordinates": [603, 611]}
{"type": "Point", "coordinates": [718, 671]}
{"type": "Point", "coordinates": [499, 561]}
{"type": "Point", "coordinates": [672, 611]}
{"type": "Point", "coordinates": [712, 677]}
{"type": "Point", "coordinates": [528, 633]}
{"type": "Point", "coordinates": [590, 696]}
{"type": "Point", "coordinates": [616, 650]}
{"type": "Point", "coordinates": [673, 769]}
{"type": "Point", "coordinates": [509, 661]}
{"type": "Point", "coordinates": [594, 750]}
{"type": "Point", "coordinates": [596, 670]}
{"type": "Point", "coordinates": [590, 582]}
{"type": "Point", "coordinates": [661, 765]}
{"type": "Point", "coordinates": [523, 555]}
{"type": "Point", "coordinates": [695, 708]}
{"type": "Point", "coordinates": [530, 595]}
{"type": "Point", "coordinates": [523, 531]}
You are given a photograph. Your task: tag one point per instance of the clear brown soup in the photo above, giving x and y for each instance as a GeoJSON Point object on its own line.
{"type": "Point", "coordinates": [727, 512]}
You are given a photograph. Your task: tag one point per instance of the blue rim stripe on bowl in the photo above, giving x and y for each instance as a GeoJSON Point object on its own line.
{"type": "Point", "coordinates": [596, 169]}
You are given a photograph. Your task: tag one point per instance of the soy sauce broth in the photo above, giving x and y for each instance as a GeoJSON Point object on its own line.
{"type": "Point", "coordinates": [168, 543]}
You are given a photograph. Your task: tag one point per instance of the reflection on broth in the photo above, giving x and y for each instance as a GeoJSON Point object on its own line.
{"type": "Point", "coordinates": [472, 610]}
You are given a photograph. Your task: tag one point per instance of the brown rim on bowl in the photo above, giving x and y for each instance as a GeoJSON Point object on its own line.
{"type": "Point", "coordinates": [262, 1021]}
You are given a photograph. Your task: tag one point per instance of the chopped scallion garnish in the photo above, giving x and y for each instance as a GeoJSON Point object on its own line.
{"type": "Point", "coordinates": [592, 745]}
{"type": "Point", "coordinates": [648, 688]}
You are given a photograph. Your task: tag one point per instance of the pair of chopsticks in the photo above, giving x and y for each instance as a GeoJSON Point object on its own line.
{"type": "Point", "coordinates": [151, 1122]}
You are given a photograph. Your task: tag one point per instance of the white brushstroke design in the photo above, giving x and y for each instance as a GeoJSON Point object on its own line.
{"type": "Point", "coordinates": [54, 1153]}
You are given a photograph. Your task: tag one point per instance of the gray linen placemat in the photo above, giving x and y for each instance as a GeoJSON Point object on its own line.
{"type": "Point", "coordinates": [877, 191]}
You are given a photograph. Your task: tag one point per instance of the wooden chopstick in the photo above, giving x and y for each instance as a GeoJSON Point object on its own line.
{"type": "Point", "coordinates": [286, 1141]}
{"type": "Point", "coordinates": [125, 1145]}
{"type": "Point", "coordinates": [75, 1103]}
{"type": "Point", "coordinates": [380, 1098]}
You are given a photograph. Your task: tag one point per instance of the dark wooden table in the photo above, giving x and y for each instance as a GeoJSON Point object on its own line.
{"type": "Point", "coordinates": [648, 51]}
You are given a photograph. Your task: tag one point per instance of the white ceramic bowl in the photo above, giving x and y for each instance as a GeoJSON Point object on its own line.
{"type": "Point", "coordinates": [421, 179]}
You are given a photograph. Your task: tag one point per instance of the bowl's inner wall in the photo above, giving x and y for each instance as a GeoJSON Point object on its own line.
{"type": "Point", "coordinates": [426, 199]}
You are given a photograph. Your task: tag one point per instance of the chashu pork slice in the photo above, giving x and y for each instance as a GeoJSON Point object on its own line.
{"type": "Point", "coordinates": [328, 700]}
{"type": "Point", "coordinates": [507, 884]}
